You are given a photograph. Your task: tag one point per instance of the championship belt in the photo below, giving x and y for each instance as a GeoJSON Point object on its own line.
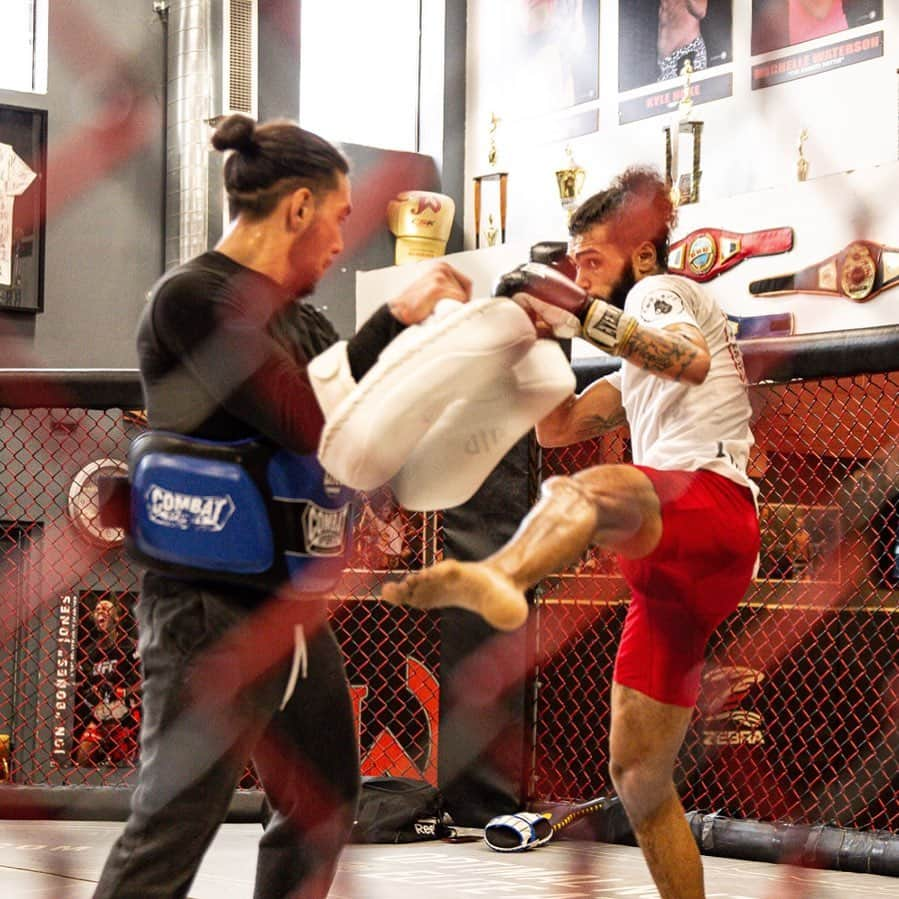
{"type": "Point", "coordinates": [84, 498]}
{"type": "Point", "coordinates": [709, 252]}
{"type": "Point", "coordinates": [111, 710]}
{"type": "Point", "coordinates": [859, 272]}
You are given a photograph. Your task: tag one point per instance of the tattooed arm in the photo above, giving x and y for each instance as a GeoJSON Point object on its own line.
{"type": "Point", "coordinates": [677, 353]}
{"type": "Point", "coordinates": [591, 413]}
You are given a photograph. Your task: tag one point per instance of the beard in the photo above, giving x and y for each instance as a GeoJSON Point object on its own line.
{"type": "Point", "coordinates": [622, 287]}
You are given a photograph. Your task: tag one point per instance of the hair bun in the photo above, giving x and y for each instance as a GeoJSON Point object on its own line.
{"type": "Point", "coordinates": [236, 132]}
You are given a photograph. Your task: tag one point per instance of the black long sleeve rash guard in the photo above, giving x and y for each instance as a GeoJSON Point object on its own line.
{"type": "Point", "coordinates": [224, 351]}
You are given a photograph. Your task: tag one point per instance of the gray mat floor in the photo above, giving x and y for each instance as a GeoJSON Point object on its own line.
{"type": "Point", "coordinates": [61, 860]}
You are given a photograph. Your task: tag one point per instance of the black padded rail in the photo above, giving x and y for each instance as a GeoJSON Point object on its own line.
{"type": "Point", "coordinates": [586, 371]}
{"type": "Point", "coordinates": [87, 388]}
{"type": "Point", "coordinates": [834, 354]}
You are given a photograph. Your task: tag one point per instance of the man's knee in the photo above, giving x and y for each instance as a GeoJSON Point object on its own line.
{"type": "Point", "coordinates": [570, 497]}
{"type": "Point", "coordinates": [626, 506]}
{"type": "Point", "coordinates": [641, 785]}
{"type": "Point", "coordinates": [565, 485]}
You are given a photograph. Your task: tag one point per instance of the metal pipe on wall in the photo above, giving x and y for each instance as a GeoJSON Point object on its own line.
{"type": "Point", "coordinates": [161, 8]}
{"type": "Point", "coordinates": [188, 109]}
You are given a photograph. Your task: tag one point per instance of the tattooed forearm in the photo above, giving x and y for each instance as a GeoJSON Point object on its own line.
{"type": "Point", "coordinates": [665, 354]}
{"type": "Point", "coordinates": [594, 425]}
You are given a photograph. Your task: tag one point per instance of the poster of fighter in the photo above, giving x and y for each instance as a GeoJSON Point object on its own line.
{"type": "Point", "coordinates": [107, 681]}
{"type": "Point", "coordinates": [783, 23]}
{"type": "Point", "coordinates": [657, 37]}
{"type": "Point", "coordinates": [23, 142]}
{"type": "Point", "coordinates": [553, 45]}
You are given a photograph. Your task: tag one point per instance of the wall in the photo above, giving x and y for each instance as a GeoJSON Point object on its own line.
{"type": "Point", "coordinates": [825, 214]}
{"type": "Point", "coordinates": [376, 176]}
{"type": "Point", "coordinates": [105, 179]}
{"type": "Point", "coordinates": [750, 139]}
{"type": "Point", "coordinates": [104, 185]}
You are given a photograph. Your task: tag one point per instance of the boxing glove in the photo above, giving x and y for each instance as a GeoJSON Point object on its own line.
{"type": "Point", "coordinates": [555, 254]}
{"type": "Point", "coordinates": [567, 308]}
{"type": "Point", "coordinates": [422, 221]}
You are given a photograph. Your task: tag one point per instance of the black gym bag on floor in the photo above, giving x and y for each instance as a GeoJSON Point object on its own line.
{"type": "Point", "coordinates": [399, 810]}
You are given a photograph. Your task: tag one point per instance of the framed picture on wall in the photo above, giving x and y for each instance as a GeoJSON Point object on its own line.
{"type": "Point", "coordinates": [886, 545]}
{"type": "Point", "coordinates": [655, 38]}
{"type": "Point", "coordinates": [23, 201]}
{"type": "Point", "coordinates": [552, 47]}
{"type": "Point", "coordinates": [795, 536]}
{"type": "Point", "coordinates": [783, 23]}
{"type": "Point", "coordinates": [107, 681]}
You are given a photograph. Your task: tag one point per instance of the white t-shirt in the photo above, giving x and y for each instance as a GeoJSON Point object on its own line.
{"type": "Point", "coordinates": [15, 177]}
{"type": "Point", "coordinates": [679, 426]}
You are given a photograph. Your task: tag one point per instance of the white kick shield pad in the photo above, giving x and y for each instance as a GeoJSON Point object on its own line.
{"type": "Point", "coordinates": [443, 404]}
{"type": "Point", "coordinates": [468, 441]}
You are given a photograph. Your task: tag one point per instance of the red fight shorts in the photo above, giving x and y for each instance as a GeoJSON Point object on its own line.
{"type": "Point", "coordinates": [688, 584]}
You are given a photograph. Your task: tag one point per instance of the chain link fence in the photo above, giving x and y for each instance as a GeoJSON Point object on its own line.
{"type": "Point", "coordinates": [797, 721]}
{"type": "Point", "coordinates": [70, 684]}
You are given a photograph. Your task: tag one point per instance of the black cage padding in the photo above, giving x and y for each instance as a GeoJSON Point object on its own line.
{"type": "Point", "coordinates": [835, 354]}
{"type": "Point", "coordinates": [88, 388]}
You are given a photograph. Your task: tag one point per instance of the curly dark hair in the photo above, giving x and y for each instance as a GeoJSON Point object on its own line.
{"type": "Point", "coordinates": [638, 204]}
{"type": "Point", "coordinates": [272, 159]}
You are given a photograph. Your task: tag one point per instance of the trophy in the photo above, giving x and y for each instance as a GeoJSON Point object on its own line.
{"type": "Point", "coordinates": [491, 149]}
{"type": "Point", "coordinates": [492, 231]}
{"type": "Point", "coordinates": [502, 178]}
{"type": "Point", "coordinates": [802, 162]}
{"type": "Point", "coordinates": [570, 182]}
{"type": "Point", "coordinates": [686, 131]}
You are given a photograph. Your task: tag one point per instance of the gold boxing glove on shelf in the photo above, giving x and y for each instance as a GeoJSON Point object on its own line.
{"type": "Point", "coordinates": [422, 221]}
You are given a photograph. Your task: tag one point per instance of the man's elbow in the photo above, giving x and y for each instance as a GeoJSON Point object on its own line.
{"type": "Point", "coordinates": [698, 8]}
{"type": "Point", "coordinates": [698, 370]}
{"type": "Point", "coordinates": [544, 436]}
{"type": "Point", "coordinates": [548, 436]}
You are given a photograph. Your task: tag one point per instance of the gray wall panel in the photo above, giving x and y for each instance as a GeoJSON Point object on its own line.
{"type": "Point", "coordinates": [104, 229]}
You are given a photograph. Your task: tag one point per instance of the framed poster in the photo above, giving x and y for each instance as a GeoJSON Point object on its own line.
{"type": "Point", "coordinates": [783, 23]}
{"type": "Point", "coordinates": [23, 202]}
{"type": "Point", "coordinates": [106, 704]}
{"type": "Point", "coordinates": [552, 47]}
{"type": "Point", "coordinates": [793, 537]}
{"type": "Point", "coordinates": [656, 37]}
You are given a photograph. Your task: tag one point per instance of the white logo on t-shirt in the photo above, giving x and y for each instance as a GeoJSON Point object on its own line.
{"type": "Point", "coordinates": [659, 304]}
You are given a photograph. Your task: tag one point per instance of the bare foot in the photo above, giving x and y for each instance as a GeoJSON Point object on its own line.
{"type": "Point", "coordinates": [467, 585]}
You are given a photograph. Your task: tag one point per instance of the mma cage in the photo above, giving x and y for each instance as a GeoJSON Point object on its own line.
{"type": "Point", "coordinates": [797, 724]}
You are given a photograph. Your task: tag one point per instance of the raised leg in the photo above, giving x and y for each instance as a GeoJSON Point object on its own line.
{"type": "Point", "coordinates": [614, 506]}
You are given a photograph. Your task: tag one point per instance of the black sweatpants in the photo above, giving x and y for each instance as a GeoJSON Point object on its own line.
{"type": "Point", "coordinates": [193, 755]}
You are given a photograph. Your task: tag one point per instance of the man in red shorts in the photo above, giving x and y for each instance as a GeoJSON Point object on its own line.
{"type": "Point", "coordinates": [682, 517]}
